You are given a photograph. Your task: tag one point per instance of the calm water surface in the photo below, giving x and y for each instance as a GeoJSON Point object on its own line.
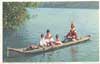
{"type": "Point", "coordinates": [58, 21]}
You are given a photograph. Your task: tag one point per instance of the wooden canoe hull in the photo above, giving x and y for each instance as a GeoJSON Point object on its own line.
{"type": "Point", "coordinates": [46, 49]}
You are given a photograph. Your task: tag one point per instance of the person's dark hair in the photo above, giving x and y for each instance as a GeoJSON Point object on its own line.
{"type": "Point", "coordinates": [57, 36]}
{"type": "Point", "coordinates": [42, 35]}
{"type": "Point", "coordinates": [48, 30]}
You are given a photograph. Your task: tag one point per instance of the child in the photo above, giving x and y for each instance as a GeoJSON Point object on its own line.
{"type": "Point", "coordinates": [58, 42]}
{"type": "Point", "coordinates": [42, 41]}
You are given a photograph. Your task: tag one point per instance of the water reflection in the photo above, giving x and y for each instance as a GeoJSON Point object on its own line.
{"type": "Point", "coordinates": [50, 55]}
{"type": "Point", "coordinates": [73, 51]}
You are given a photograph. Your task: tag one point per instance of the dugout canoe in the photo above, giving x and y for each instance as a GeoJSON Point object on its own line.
{"type": "Point", "coordinates": [45, 49]}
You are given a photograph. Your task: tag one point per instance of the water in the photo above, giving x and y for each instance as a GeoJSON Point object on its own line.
{"type": "Point", "coordinates": [58, 21]}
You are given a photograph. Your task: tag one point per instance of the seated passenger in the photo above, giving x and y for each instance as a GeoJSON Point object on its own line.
{"type": "Point", "coordinates": [58, 42]}
{"type": "Point", "coordinates": [42, 41]}
{"type": "Point", "coordinates": [72, 35]}
{"type": "Point", "coordinates": [48, 38]}
{"type": "Point", "coordinates": [31, 47]}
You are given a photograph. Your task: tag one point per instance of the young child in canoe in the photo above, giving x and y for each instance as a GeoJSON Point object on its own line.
{"type": "Point", "coordinates": [58, 42]}
{"type": "Point", "coordinates": [42, 41]}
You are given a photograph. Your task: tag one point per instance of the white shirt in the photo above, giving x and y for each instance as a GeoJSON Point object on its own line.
{"type": "Point", "coordinates": [42, 42]}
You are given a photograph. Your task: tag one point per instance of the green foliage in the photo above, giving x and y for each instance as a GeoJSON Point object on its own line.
{"type": "Point", "coordinates": [14, 13]}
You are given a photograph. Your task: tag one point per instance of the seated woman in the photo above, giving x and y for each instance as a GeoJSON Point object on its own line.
{"type": "Point", "coordinates": [72, 35]}
{"type": "Point", "coordinates": [58, 42]}
{"type": "Point", "coordinates": [48, 38]}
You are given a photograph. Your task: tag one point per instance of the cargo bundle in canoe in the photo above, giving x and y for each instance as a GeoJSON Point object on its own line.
{"type": "Point", "coordinates": [45, 49]}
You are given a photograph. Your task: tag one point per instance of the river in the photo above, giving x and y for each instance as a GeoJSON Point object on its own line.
{"type": "Point", "coordinates": [58, 21]}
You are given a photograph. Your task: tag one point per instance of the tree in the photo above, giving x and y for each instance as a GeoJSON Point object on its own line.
{"type": "Point", "coordinates": [14, 13]}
